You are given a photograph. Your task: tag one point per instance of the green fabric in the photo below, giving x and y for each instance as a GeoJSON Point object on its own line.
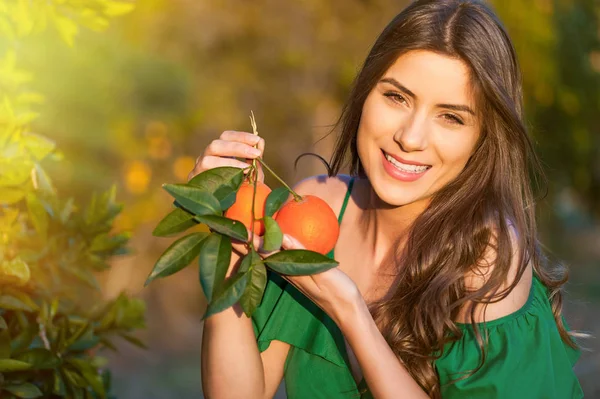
{"type": "Point", "coordinates": [526, 356]}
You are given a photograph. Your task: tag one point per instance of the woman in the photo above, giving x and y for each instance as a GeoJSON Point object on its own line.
{"type": "Point", "coordinates": [442, 290]}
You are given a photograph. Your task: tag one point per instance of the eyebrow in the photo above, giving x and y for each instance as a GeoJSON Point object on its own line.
{"type": "Point", "coordinates": [404, 89]}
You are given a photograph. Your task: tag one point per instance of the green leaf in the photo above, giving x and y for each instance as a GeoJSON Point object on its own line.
{"type": "Point", "coordinates": [275, 199]}
{"type": "Point", "coordinates": [130, 312]}
{"type": "Point", "coordinates": [230, 293]}
{"type": "Point", "coordinates": [223, 182]}
{"type": "Point", "coordinates": [84, 275]}
{"type": "Point", "coordinates": [102, 209]}
{"type": "Point", "coordinates": [67, 28]}
{"type": "Point", "coordinates": [74, 378]}
{"type": "Point", "coordinates": [40, 358]}
{"type": "Point", "coordinates": [133, 340]}
{"type": "Point", "coordinates": [214, 262]}
{"type": "Point", "coordinates": [42, 181]}
{"type": "Point", "coordinates": [58, 386]}
{"type": "Point", "coordinates": [38, 146]}
{"type": "Point", "coordinates": [177, 256]}
{"type": "Point", "coordinates": [37, 214]}
{"type": "Point", "coordinates": [22, 296]}
{"type": "Point", "coordinates": [298, 262]}
{"type": "Point", "coordinates": [194, 199]}
{"type": "Point", "coordinates": [24, 390]}
{"type": "Point", "coordinates": [15, 272]}
{"type": "Point", "coordinates": [9, 196]}
{"type": "Point", "coordinates": [228, 200]}
{"type": "Point", "coordinates": [85, 343]}
{"type": "Point", "coordinates": [90, 375]}
{"type": "Point", "coordinates": [3, 323]}
{"type": "Point", "coordinates": [99, 362]}
{"type": "Point", "coordinates": [107, 343]}
{"type": "Point", "coordinates": [84, 330]}
{"type": "Point", "coordinates": [24, 339]}
{"type": "Point", "coordinates": [175, 222]}
{"type": "Point", "coordinates": [273, 237]}
{"type": "Point", "coordinates": [117, 8]}
{"type": "Point", "coordinates": [107, 379]}
{"type": "Point", "coordinates": [104, 242]}
{"type": "Point", "coordinates": [5, 344]}
{"type": "Point", "coordinates": [255, 288]}
{"type": "Point", "coordinates": [16, 170]}
{"type": "Point", "coordinates": [232, 228]}
{"type": "Point", "coordinates": [13, 365]}
{"type": "Point", "coordinates": [67, 210]}
{"type": "Point", "coordinates": [12, 303]}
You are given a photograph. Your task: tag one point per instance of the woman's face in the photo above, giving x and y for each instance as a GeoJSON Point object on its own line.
{"type": "Point", "coordinates": [418, 127]}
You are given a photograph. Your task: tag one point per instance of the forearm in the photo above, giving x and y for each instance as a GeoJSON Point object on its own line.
{"type": "Point", "coordinates": [383, 372]}
{"type": "Point", "coordinates": [231, 363]}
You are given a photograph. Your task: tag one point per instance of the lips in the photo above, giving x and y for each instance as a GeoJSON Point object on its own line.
{"type": "Point", "coordinates": [404, 161]}
{"type": "Point", "coordinates": [398, 174]}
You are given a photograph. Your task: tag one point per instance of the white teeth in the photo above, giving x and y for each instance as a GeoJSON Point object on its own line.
{"type": "Point", "coordinates": [405, 167]}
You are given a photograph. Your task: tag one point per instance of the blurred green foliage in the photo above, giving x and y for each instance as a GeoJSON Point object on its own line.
{"type": "Point", "coordinates": [137, 105]}
{"type": "Point", "coordinates": [558, 43]}
{"type": "Point", "coordinates": [53, 318]}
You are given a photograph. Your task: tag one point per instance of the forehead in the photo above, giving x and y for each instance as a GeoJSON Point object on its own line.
{"type": "Point", "coordinates": [433, 77]}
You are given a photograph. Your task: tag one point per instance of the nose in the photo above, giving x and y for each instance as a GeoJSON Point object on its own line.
{"type": "Point", "coordinates": [412, 134]}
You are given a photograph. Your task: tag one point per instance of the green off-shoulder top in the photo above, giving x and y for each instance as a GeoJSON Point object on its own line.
{"type": "Point", "coordinates": [526, 356]}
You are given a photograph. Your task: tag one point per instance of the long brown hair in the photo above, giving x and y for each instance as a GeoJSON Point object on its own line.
{"type": "Point", "coordinates": [472, 213]}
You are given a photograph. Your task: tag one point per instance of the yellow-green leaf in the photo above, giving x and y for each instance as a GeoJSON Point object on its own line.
{"type": "Point", "coordinates": [13, 365]}
{"type": "Point", "coordinates": [9, 196]}
{"type": "Point", "coordinates": [14, 272]}
{"type": "Point", "coordinates": [116, 8]}
{"type": "Point", "coordinates": [66, 28]}
{"type": "Point", "coordinates": [38, 146]}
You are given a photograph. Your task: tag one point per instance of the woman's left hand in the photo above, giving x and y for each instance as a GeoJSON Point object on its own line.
{"type": "Point", "coordinates": [331, 290]}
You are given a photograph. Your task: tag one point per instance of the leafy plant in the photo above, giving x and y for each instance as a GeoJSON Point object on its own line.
{"type": "Point", "coordinates": [202, 201]}
{"type": "Point", "coordinates": [53, 319]}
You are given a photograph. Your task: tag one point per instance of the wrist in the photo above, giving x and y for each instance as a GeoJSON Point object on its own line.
{"type": "Point", "coordinates": [352, 314]}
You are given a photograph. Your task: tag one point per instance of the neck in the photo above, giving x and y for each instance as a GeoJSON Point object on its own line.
{"type": "Point", "coordinates": [384, 228]}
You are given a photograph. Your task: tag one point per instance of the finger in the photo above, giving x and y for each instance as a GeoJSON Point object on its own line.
{"type": "Point", "coordinates": [261, 144]}
{"type": "Point", "coordinates": [224, 148]}
{"type": "Point", "coordinates": [261, 174]}
{"type": "Point", "coordinates": [258, 242]}
{"type": "Point", "coordinates": [290, 242]}
{"type": "Point", "coordinates": [211, 162]}
{"type": "Point", "coordinates": [241, 137]}
{"type": "Point", "coordinates": [239, 247]}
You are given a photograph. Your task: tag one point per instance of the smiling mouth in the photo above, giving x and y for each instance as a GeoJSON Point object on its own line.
{"type": "Point", "coordinates": [404, 167]}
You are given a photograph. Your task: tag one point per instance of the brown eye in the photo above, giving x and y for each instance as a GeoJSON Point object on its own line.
{"type": "Point", "coordinates": [396, 97]}
{"type": "Point", "coordinates": [453, 119]}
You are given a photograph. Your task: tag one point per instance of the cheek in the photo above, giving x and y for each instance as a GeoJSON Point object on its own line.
{"type": "Point", "coordinates": [455, 152]}
{"type": "Point", "coordinates": [377, 120]}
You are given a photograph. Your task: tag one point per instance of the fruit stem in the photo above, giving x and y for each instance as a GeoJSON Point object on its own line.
{"type": "Point", "coordinates": [296, 196]}
{"type": "Point", "coordinates": [254, 172]}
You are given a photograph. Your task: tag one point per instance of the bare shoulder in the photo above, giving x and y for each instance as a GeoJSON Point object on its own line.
{"type": "Point", "coordinates": [480, 274]}
{"type": "Point", "coordinates": [330, 189]}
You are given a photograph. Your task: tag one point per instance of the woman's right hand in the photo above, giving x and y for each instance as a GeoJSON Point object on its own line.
{"type": "Point", "coordinates": [231, 144]}
{"type": "Point", "coordinates": [222, 152]}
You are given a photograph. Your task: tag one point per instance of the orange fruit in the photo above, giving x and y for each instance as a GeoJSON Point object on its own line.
{"type": "Point", "coordinates": [311, 221]}
{"type": "Point", "coordinates": [242, 207]}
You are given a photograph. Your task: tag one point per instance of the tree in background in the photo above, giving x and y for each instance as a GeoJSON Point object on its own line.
{"type": "Point", "coordinates": [52, 315]}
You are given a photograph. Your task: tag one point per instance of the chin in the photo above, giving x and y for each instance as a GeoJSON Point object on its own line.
{"type": "Point", "coordinates": [394, 194]}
